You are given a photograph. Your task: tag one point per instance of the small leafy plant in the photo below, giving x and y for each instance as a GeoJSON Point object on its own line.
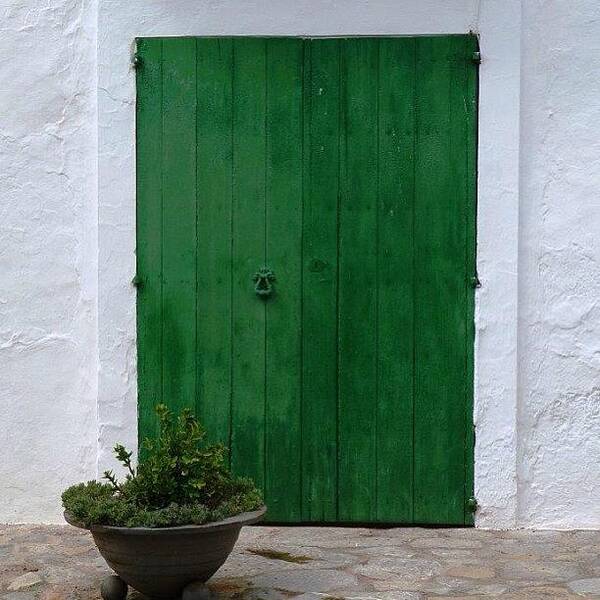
{"type": "Point", "coordinates": [180, 480]}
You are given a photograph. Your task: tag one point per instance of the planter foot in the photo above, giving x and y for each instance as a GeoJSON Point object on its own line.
{"type": "Point", "coordinates": [113, 588]}
{"type": "Point", "coordinates": [197, 591]}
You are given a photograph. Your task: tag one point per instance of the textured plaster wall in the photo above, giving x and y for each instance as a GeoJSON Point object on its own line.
{"type": "Point", "coordinates": [559, 274]}
{"type": "Point", "coordinates": [48, 253]}
{"type": "Point", "coordinates": [67, 236]}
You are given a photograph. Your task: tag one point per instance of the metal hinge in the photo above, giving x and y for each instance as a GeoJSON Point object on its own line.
{"type": "Point", "coordinates": [136, 61]}
{"type": "Point", "coordinates": [472, 504]}
{"type": "Point", "coordinates": [475, 283]}
{"type": "Point", "coordinates": [476, 58]}
{"type": "Point", "coordinates": [137, 282]}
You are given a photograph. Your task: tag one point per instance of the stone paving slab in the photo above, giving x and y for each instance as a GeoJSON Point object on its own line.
{"type": "Point", "coordinates": [332, 563]}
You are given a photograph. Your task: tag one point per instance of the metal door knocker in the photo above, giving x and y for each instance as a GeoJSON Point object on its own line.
{"type": "Point", "coordinates": [263, 282]}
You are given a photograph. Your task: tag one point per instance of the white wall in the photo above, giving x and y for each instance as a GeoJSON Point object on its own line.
{"type": "Point", "coordinates": [67, 310]}
{"type": "Point", "coordinates": [48, 254]}
{"type": "Point", "coordinates": [559, 269]}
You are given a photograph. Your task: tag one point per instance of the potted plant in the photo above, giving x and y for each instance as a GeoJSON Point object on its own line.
{"type": "Point", "coordinates": [171, 523]}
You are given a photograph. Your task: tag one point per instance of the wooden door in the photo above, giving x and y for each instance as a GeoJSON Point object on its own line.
{"type": "Point", "coordinates": [347, 167]}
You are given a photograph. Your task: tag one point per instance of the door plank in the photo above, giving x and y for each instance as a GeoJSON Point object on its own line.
{"type": "Point", "coordinates": [395, 280]}
{"type": "Point", "coordinates": [441, 280]}
{"type": "Point", "coordinates": [179, 222]}
{"type": "Point", "coordinates": [283, 485]}
{"type": "Point", "coordinates": [471, 45]}
{"type": "Point", "coordinates": [214, 199]}
{"type": "Point", "coordinates": [319, 277]}
{"type": "Point", "coordinates": [149, 235]}
{"type": "Point", "coordinates": [248, 336]}
{"type": "Point", "coordinates": [358, 284]}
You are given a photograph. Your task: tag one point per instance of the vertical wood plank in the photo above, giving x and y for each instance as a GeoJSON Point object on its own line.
{"type": "Point", "coordinates": [395, 280]}
{"type": "Point", "coordinates": [283, 483]}
{"type": "Point", "coordinates": [214, 199]}
{"type": "Point", "coordinates": [149, 234]}
{"type": "Point", "coordinates": [440, 280]}
{"type": "Point", "coordinates": [470, 265]}
{"type": "Point", "coordinates": [319, 276]}
{"type": "Point", "coordinates": [248, 336]}
{"type": "Point", "coordinates": [358, 285]}
{"type": "Point", "coordinates": [179, 222]}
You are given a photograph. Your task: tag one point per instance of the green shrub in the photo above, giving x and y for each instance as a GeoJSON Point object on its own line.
{"type": "Point", "coordinates": [180, 480]}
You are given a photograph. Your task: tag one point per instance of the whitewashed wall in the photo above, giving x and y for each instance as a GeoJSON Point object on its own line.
{"type": "Point", "coordinates": [48, 254]}
{"type": "Point", "coordinates": [67, 199]}
{"type": "Point", "coordinates": [559, 269]}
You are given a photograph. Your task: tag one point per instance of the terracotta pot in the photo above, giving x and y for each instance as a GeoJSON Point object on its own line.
{"type": "Point", "coordinates": [161, 562]}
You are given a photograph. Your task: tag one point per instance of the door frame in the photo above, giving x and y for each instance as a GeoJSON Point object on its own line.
{"type": "Point", "coordinates": [495, 370]}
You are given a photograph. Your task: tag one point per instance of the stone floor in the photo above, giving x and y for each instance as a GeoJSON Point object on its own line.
{"type": "Point", "coordinates": [308, 563]}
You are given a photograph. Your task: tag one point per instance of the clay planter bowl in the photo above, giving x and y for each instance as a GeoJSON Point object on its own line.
{"type": "Point", "coordinates": [161, 562]}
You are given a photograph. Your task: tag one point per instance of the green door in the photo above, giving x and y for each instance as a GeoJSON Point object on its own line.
{"type": "Point", "coordinates": [342, 380]}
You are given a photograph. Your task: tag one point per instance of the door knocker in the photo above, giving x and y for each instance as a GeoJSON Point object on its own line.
{"type": "Point", "coordinates": [263, 282]}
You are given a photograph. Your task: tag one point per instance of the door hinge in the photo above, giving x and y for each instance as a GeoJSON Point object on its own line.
{"type": "Point", "coordinates": [136, 61]}
{"type": "Point", "coordinates": [475, 283]}
{"type": "Point", "coordinates": [472, 504]}
{"type": "Point", "coordinates": [476, 58]}
{"type": "Point", "coordinates": [137, 282]}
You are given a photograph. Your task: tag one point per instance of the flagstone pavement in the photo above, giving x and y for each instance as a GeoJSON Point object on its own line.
{"type": "Point", "coordinates": [331, 563]}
